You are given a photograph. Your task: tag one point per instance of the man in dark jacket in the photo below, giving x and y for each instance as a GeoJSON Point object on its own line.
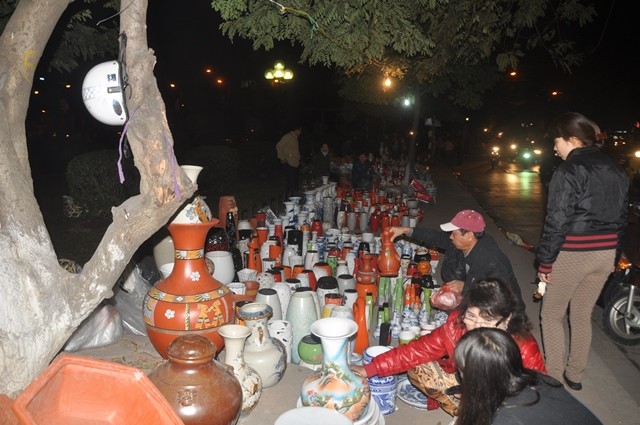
{"type": "Point", "coordinates": [483, 258]}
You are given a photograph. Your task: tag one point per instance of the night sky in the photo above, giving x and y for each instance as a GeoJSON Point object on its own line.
{"type": "Point", "coordinates": [605, 88]}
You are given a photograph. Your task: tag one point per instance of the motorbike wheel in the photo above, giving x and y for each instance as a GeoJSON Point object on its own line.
{"type": "Point", "coordinates": [615, 285]}
{"type": "Point", "coordinates": [622, 330]}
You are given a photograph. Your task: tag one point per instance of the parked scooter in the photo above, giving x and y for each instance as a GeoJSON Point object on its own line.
{"type": "Point", "coordinates": [621, 295]}
{"type": "Point", "coordinates": [494, 159]}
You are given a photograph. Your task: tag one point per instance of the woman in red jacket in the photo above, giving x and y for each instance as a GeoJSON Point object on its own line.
{"type": "Point", "coordinates": [429, 360]}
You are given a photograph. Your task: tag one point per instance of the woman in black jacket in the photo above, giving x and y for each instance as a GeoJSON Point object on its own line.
{"type": "Point", "coordinates": [496, 389]}
{"type": "Point", "coordinates": [586, 215]}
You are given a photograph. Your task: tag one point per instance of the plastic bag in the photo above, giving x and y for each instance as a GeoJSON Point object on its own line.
{"type": "Point", "coordinates": [102, 327]}
{"type": "Point", "coordinates": [445, 299]}
{"type": "Point", "coordinates": [128, 297]}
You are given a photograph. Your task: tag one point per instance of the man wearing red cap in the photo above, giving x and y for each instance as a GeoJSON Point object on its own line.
{"type": "Point", "coordinates": [483, 258]}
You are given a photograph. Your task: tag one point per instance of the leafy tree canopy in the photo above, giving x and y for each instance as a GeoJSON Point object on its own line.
{"type": "Point", "coordinates": [443, 46]}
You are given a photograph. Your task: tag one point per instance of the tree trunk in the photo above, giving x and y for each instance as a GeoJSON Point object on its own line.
{"type": "Point", "coordinates": [41, 303]}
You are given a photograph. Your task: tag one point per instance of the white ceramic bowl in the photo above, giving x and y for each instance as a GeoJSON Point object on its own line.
{"type": "Point", "coordinates": [312, 415]}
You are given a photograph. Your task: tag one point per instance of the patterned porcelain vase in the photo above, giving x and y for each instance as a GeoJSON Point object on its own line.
{"type": "Point", "coordinates": [251, 383]}
{"type": "Point", "coordinates": [189, 300]}
{"type": "Point", "coordinates": [335, 386]}
{"type": "Point", "coordinates": [265, 354]}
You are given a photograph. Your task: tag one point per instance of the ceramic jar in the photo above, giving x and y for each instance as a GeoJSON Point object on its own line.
{"type": "Point", "coordinates": [326, 285]}
{"type": "Point", "coordinates": [190, 300]}
{"type": "Point", "coordinates": [250, 382]}
{"type": "Point", "coordinates": [265, 354]}
{"type": "Point", "coordinates": [335, 386]}
{"type": "Point", "coordinates": [200, 389]}
{"type": "Point", "coordinates": [310, 350]}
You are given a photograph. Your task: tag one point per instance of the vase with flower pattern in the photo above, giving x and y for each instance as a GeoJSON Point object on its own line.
{"type": "Point", "coordinates": [189, 300]}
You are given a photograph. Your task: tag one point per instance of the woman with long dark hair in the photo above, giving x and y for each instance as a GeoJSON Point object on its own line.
{"type": "Point", "coordinates": [496, 389]}
{"type": "Point", "coordinates": [428, 360]}
{"type": "Point", "coordinates": [586, 216]}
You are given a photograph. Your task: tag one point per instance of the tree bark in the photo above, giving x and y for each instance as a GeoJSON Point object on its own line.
{"type": "Point", "coordinates": [42, 304]}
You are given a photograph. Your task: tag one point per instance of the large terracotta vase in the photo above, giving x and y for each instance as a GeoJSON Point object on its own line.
{"type": "Point", "coordinates": [190, 300]}
{"type": "Point", "coordinates": [250, 381]}
{"type": "Point", "coordinates": [335, 386]}
{"type": "Point", "coordinates": [265, 354]}
{"type": "Point", "coordinates": [200, 389]}
{"type": "Point", "coordinates": [388, 260]}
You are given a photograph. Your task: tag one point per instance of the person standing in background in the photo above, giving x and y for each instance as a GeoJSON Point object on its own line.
{"type": "Point", "coordinates": [288, 151]}
{"type": "Point", "coordinates": [321, 162]}
{"type": "Point", "coordinates": [586, 216]}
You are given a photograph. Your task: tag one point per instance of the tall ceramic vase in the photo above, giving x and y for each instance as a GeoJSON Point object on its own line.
{"type": "Point", "coordinates": [250, 381]}
{"type": "Point", "coordinates": [388, 261]}
{"type": "Point", "coordinates": [366, 278]}
{"type": "Point", "coordinates": [335, 386]}
{"type": "Point", "coordinates": [301, 314]}
{"type": "Point", "coordinates": [265, 354]}
{"type": "Point", "coordinates": [190, 300]}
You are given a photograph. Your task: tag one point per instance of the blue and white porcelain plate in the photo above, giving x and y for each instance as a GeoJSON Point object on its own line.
{"type": "Point", "coordinates": [411, 395]}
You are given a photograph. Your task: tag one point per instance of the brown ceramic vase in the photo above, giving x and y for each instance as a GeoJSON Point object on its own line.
{"type": "Point", "coordinates": [199, 388]}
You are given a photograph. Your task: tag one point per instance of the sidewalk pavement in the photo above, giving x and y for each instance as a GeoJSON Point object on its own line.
{"type": "Point", "coordinates": [611, 384]}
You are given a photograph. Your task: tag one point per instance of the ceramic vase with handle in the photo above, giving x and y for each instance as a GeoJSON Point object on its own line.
{"type": "Point", "coordinates": [265, 354]}
{"type": "Point", "coordinates": [335, 386]}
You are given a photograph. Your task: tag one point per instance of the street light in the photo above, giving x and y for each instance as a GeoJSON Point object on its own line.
{"type": "Point", "coordinates": [278, 73]}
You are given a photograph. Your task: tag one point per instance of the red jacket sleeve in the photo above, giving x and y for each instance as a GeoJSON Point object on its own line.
{"type": "Point", "coordinates": [531, 355]}
{"type": "Point", "coordinates": [436, 346]}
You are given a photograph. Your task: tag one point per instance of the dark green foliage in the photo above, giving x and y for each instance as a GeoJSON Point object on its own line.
{"type": "Point", "coordinates": [93, 181]}
{"type": "Point", "coordinates": [221, 165]}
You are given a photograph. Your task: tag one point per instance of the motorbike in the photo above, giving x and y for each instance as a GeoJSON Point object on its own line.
{"type": "Point", "coordinates": [621, 294]}
{"type": "Point", "coordinates": [494, 159]}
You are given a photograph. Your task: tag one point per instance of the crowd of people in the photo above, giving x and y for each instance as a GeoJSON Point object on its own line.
{"type": "Point", "coordinates": [484, 366]}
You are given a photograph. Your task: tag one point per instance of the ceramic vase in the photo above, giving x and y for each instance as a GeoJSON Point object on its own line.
{"type": "Point", "coordinates": [366, 277]}
{"type": "Point", "coordinates": [301, 314]}
{"type": "Point", "coordinates": [265, 354]}
{"type": "Point", "coordinates": [224, 270]}
{"type": "Point", "coordinates": [326, 285]}
{"type": "Point", "coordinates": [284, 295]}
{"type": "Point", "coordinates": [270, 297]}
{"type": "Point", "coordinates": [234, 338]}
{"type": "Point", "coordinates": [200, 389]}
{"type": "Point", "coordinates": [190, 300]}
{"type": "Point", "coordinates": [388, 261]}
{"type": "Point", "coordinates": [335, 386]}
{"type": "Point", "coordinates": [282, 330]}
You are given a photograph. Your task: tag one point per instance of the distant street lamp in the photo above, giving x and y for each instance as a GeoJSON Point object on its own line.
{"type": "Point", "coordinates": [278, 74]}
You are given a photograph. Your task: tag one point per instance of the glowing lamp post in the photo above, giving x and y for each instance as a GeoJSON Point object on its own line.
{"type": "Point", "coordinates": [278, 74]}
